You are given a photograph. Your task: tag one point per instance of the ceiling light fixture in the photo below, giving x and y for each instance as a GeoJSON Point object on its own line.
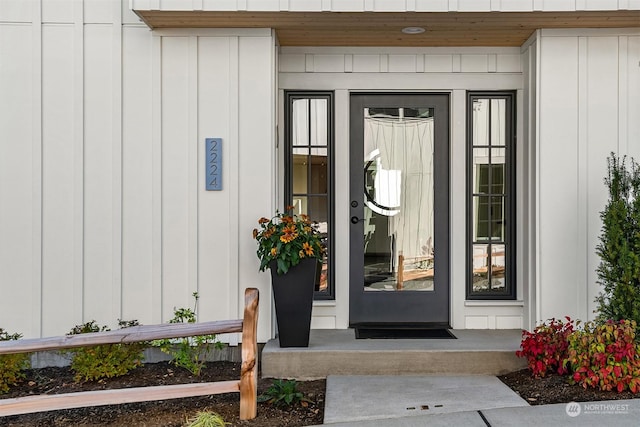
{"type": "Point", "coordinates": [413, 30]}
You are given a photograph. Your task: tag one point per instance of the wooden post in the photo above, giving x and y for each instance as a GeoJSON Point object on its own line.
{"type": "Point", "coordinates": [249, 371]}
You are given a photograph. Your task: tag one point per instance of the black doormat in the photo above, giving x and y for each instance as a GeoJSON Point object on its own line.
{"type": "Point", "coordinates": [403, 333]}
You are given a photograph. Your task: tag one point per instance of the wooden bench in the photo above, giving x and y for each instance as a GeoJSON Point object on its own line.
{"type": "Point", "coordinates": [246, 386]}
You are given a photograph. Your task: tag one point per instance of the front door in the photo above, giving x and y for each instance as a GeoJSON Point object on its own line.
{"type": "Point", "coordinates": [399, 210]}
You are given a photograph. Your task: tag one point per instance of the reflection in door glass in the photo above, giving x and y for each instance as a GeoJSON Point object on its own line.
{"type": "Point", "coordinates": [398, 199]}
{"type": "Point", "coordinates": [309, 169]}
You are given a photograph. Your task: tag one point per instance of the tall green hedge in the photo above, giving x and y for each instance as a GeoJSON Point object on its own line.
{"type": "Point", "coordinates": [619, 247]}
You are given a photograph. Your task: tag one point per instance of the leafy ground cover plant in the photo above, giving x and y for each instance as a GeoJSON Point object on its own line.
{"type": "Point", "coordinates": [283, 393]}
{"type": "Point", "coordinates": [104, 361]}
{"type": "Point", "coordinates": [206, 419]}
{"type": "Point", "coordinates": [605, 356]}
{"type": "Point", "coordinates": [11, 365]}
{"type": "Point", "coordinates": [546, 347]}
{"type": "Point", "coordinates": [189, 352]}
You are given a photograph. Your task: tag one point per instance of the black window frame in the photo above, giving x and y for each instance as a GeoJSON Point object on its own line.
{"type": "Point", "coordinates": [509, 241]}
{"type": "Point", "coordinates": [289, 97]}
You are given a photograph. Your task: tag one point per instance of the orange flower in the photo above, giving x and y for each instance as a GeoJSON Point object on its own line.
{"type": "Point", "coordinates": [255, 233]}
{"type": "Point", "coordinates": [263, 220]}
{"type": "Point", "coordinates": [288, 236]}
{"type": "Point", "coordinates": [301, 254]}
{"type": "Point", "coordinates": [274, 252]}
{"type": "Point", "coordinates": [307, 248]}
{"type": "Point", "coordinates": [287, 219]}
{"type": "Point", "coordinates": [288, 208]}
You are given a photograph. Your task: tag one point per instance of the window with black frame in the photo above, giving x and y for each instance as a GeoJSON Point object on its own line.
{"type": "Point", "coordinates": [490, 195]}
{"type": "Point", "coordinates": [308, 169]}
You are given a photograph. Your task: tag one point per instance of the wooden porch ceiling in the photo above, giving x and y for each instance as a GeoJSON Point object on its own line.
{"type": "Point", "coordinates": [384, 29]}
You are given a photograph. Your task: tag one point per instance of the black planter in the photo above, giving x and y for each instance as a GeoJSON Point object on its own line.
{"type": "Point", "coordinates": [293, 295]}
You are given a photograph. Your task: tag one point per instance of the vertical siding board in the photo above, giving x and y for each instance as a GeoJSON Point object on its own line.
{"type": "Point", "coordinates": [233, 149]}
{"type": "Point", "coordinates": [58, 11]}
{"type": "Point", "coordinates": [137, 179]}
{"type": "Point", "coordinates": [78, 161]}
{"type": "Point", "coordinates": [214, 211]}
{"type": "Point", "coordinates": [623, 94]}
{"type": "Point", "coordinates": [18, 11]}
{"type": "Point", "coordinates": [602, 128]}
{"type": "Point", "coordinates": [157, 141]}
{"type": "Point", "coordinates": [58, 258]}
{"type": "Point", "coordinates": [583, 178]}
{"type": "Point", "coordinates": [36, 162]}
{"type": "Point", "coordinates": [558, 176]}
{"type": "Point", "coordinates": [255, 112]}
{"type": "Point", "coordinates": [116, 138]}
{"type": "Point", "coordinates": [99, 191]}
{"type": "Point", "coordinates": [175, 174]}
{"type": "Point", "coordinates": [193, 166]}
{"type": "Point", "coordinates": [17, 179]}
{"type": "Point", "coordinates": [527, 148]}
{"type": "Point", "coordinates": [101, 11]}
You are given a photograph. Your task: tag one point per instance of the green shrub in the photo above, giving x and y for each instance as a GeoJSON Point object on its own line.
{"type": "Point", "coordinates": [189, 353]}
{"type": "Point", "coordinates": [546, 347]}
{"type": "Point", "coordinates": [11, 365]}
{"type": "Point", "coordinates": [104, 361]}
{"type": "Point", "coordinates": [206, 419]}
{"type": "Point", "coordinates": [605, 356]}
{"type": "Point", "coordinates": [619, 247]}
{"type": "Point", "coordinates": [283, 393]}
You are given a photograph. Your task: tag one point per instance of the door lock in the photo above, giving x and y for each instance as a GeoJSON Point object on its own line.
{"type": "Point", "coordinates": [355, 220]}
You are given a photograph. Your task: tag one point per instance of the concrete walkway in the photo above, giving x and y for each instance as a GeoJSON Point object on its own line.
{"type": "Point", "coordinates": [409, 401]}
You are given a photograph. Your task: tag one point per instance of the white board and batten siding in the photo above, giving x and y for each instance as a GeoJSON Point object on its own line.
{"type": "Point", "coordinates": [588, 91]}
{"type": "Point", "coordinates": [103, 212]}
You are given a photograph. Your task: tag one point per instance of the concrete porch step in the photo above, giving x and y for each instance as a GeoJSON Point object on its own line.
{"type": "Point", "coordinates": [337, 352]}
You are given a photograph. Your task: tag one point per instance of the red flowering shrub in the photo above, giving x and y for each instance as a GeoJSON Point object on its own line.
{"type": "Point", "coordinates": [546, 347]}
{"type": "Point", "coordinates": [605, 356]}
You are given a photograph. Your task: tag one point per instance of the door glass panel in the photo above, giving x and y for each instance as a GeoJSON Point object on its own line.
{"type": "Point", "coordinates": [310, 136]}
{"type": "Point", "coordinates": [498, 118]}
{"type": "Point", "coordinates": [398, 199]}
{"type": "Point", "coordinates": [488, 261]}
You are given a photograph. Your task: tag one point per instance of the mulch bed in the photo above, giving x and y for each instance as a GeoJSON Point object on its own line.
{"type": "Point", "coordinates": [172, 412]}
{"type": "Point", "coordinates": [536, 391]}
{"type": "Point", "coordinates": [554, 388]}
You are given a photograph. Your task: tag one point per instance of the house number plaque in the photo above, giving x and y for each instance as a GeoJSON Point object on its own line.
{"type": "Point", "coordinates": [213, 169]}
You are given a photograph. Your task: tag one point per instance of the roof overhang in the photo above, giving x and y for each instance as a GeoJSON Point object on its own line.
{"type": "Point", "coordinates": [385, 28]}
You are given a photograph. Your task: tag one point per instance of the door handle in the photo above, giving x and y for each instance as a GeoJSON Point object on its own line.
{"type": "Point", "coordinates": [355, 220]}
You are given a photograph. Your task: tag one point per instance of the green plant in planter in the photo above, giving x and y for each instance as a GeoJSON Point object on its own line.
{"type": "Point", "coordinates": [619, 247]}
{"type": "Point", "coordinates": [283, 393]}
{"type": "Point", "coordinates": [287, 238]}
{"type": "Point", "coordinates": [107, 360]}
{"type": "Point", "coordinates": [189, 353]}
{"type": "Point", "coordinates": [11, 365]}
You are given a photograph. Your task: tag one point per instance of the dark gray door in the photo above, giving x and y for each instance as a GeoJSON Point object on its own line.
{"type": "Point", "coordinates": [399, 210]}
